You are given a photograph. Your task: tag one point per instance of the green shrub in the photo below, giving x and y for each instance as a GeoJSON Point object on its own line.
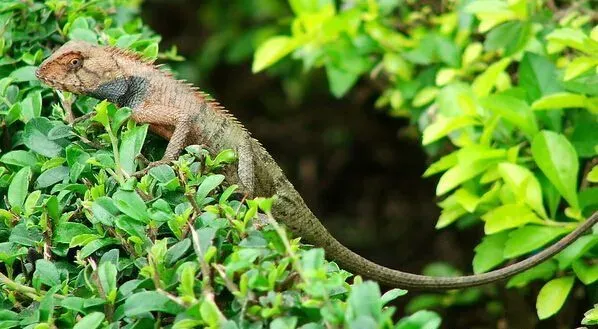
{"type": "Point", "coordinates": [511, 87]}
{"type": "Point", "coordinates": [85, 245]}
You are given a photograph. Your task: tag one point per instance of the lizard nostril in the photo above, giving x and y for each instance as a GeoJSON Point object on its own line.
{"type": "Point", "coordinates": [38, 72]}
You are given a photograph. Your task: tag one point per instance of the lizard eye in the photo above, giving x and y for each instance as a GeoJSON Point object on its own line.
{"type": "Point", "coordinates": [75, 63]}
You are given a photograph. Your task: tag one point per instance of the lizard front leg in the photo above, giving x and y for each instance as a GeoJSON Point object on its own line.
{"type": "Point", "coordinates": [177, 137]}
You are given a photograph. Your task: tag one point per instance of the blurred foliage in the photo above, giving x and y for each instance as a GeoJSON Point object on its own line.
{"type": "Point", "coordinates": [509, 87]}
{"type": "Point", "coordinates": [85, 245]}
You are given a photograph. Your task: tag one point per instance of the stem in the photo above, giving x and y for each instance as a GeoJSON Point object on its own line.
{"type": "Point", "coordinates": [205, 268]}
{"type": "Point", "coordinates": [5, 101]}
{"type": "Point", "coordinates": [25, 290]}
{"type": "Point", "coordinates": [113, 140]}
{"type": "Point", "coordinates": [283, 236]}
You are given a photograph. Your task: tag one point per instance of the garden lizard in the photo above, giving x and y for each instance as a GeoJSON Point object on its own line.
{"type": "Point", "coordinates": [182, 114]}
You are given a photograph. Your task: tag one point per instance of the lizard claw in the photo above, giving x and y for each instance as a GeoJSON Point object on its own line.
{"type": "Point", "coordinates": [150, 165]}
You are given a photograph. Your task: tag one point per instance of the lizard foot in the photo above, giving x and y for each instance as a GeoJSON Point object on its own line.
{"type": "Point", "coordinates": [150, 165]}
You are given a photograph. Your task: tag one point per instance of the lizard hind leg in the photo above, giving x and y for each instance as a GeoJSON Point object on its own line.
{"type": "Point", "coordinates": [245, 169]}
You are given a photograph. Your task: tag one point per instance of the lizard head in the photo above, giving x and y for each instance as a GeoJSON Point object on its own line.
{"type": "Point", "coordinates": [79, 67]}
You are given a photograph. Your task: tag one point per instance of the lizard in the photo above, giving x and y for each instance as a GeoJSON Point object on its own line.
{"type": "Point", "coordinates": [184, 115]}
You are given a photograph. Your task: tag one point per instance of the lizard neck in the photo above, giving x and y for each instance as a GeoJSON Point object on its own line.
{"type": "Point", "coordinates": [124, 91]}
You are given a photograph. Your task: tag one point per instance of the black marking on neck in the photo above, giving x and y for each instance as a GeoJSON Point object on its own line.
{"type": "Point", "coordinates": [124, 91]}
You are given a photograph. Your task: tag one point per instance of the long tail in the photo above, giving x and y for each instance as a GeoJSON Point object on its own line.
{"type": "Point", "coordinates": [292, 211]}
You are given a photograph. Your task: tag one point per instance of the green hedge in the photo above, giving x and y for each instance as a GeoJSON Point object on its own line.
{"type": "Point", "coordinates": [84, 245]}
{"type": "Point", "coordinates": [509, 87]}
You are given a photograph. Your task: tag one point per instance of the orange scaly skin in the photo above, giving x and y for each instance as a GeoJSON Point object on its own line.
{"type": "Point", "coordinates": [180, 113]}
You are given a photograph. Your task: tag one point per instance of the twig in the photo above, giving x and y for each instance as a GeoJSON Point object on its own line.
{"type": "Point", "coordinates": [283, 236]}
{"type": "Point", "coordinates": [589, 165]}
{"type": "Point", "coordinates": [82, 118]}
{"type": "Point", "coordinates": [25, 290]}
{"type": "Point", "coordinates": [172, 297]}
{"type": "Point", "coordinates": [67, 105]}
{"type": "Point", "coordinates": [205, 269]}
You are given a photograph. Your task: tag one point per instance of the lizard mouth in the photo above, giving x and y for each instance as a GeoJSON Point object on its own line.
{"type": "Point", "coordinates": [55, 83]}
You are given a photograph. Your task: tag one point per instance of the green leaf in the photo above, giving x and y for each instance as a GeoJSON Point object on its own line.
{"type": "Point", "coordinates": [575, 250]}
{"type": "Point", "coordinates": [25, 73]}
{"type": "Point", "coordinates": [483, 83]}
{"type": "Point", "coordinates": [489, 253]}
{"type": "Point", "coordinates": [585, 84]}
{"type": "Point", "coordinates": [538, 76]}
{"type": "Point", "coordinates": [340, 80]}
{"type": "Point", "coordinates": [66, 231]}
{"type": "Point", "coordinates": [591, 316]}
{"type": "Point", "coordinates": [46, 272]}
{"type": "Point", "coordinates": [19, 158]}
{"type": "Point", "coordinates": [582, 138]}
{"type": "Point", "coordinates": [131, 204]}
{"type": "Point", "coordinates": [104, 210]}
{"type": "Point", "coordinates": [208, 184]}
{"type": "Point", "coordinates": [83, 34]}
{"type": "Point", "coordinates": [120, 117]}
{"type": "Point", "coordinates": [312, 262]}
{"type": "Point", "coordinates": [309, 6]}
{"type": "Point", "coordinates": [90, 321]}
{"type": "Point", "coordinates": [107, 277]}
{"type": "Point", "coordinates": [35, 137]}
{"type": "Point", "coordinates": [133, 227]}
{"type": "Point", "coordinates": [31, 106]}
{"type": "Point", "coordinates": [130, 146]}
{"type": "Point", "coordinates": [530, 238]}
{"type": "Point", "coordinates": [26, 236]}
{"type": "Point", "coordinates": [561, 100]}
{"type": "Point", "coordinates": [508, 216]}
{"type": "Point", "coordinates": [364, 300]}
{"type": "Point", "coordinates": [19, 187]}
{"type": "Point", "coordinates": [445, 163]}
{"type": "Point", "coordinates": [552, 296]}
{"type": "Point", "coordinates": [31, 202]}
{"type": "Point", "coordinates": [94, 246]}
{"type": "Point", "coordinates": [163, 173]}
{"type": "Point", "coordinates": [557, 159]}
{"type": "Point", "coordinates": [420, 320]}
{"type": "Point", "coordinates": [52, 176]}
{"type": "Point", "coordinates": [288, 322]}
{"type": "Point", "coordinates": [513, 110]}
{"type": "Point", "coordinates": [466, 169]}
{"type": "Point", "coordinates": [210, 313]}
{"type": "Point", "coordinates": [578, 66]}
{"type": "Point", "coordinates": [587, 273]}
{"type": "Point", "coordinates": [443, 126]}
{"type": "Point", "coordinates": [101, 113]}
{"type": "Point", "coordinates": [391, 295]}
{"type": "Point", "coordinates": [82, 240]}
{"type": "Point", "coordinates": [510, 36]}
{"type": "Point", "coordinates": [524, 185]}
{"type": "Point", "coordinates": [271, 51]}
{"type": "Point", "coordinates": [543, 271]}
{"type": "Point", "coordinates": [574, 38]}
{"type": "Point", "coordinates": [466, 199]}
{"type": "Point", "coordinates": [177, 251]}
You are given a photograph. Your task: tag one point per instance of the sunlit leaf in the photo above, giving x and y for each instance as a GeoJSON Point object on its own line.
{"type": "Point", "coordinates": [558, 160]}
{"type": "Point", "coordinates": [552, 296]}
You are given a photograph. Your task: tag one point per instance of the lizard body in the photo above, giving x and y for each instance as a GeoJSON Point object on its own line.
{"type": "Point", "coordinates": [179, 112]}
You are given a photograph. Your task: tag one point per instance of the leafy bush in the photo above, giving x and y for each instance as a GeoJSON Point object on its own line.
{"type": "Point", "coordinates": [85, 245]}
{"type": "Point", "coordinates": [509, 89]}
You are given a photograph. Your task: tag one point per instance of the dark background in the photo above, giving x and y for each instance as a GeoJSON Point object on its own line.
{"type": "Point", "coordinates": [357, 168]}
